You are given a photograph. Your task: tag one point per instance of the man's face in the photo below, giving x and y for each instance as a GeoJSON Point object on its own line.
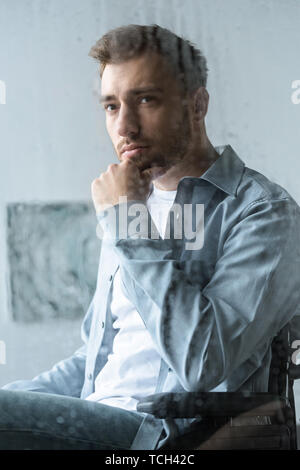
{"type": "Point", "coordinates": [147, 115]}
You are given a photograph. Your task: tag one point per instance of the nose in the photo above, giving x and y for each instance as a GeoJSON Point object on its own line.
{"type": "Point", "coordinates": [128, 122]}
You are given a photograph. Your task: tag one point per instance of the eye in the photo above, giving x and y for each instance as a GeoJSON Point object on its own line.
{"type": "Point", "coordinates": [146, 99]}
{"type": "Point", "coordinates": [110, 107]}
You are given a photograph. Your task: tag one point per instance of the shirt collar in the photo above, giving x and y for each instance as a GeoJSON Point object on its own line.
{"type": "Point", "coordinates": [226, 172]}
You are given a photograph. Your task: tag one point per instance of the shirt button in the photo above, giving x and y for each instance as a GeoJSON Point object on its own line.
{"type": "Point", "coordinates": [102, 324]}
{"type": "Point", "coordinates": [90, 376]}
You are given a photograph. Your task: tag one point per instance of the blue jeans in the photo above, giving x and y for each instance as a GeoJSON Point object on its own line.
{"type": "Point", "coordinates": [32, 420]}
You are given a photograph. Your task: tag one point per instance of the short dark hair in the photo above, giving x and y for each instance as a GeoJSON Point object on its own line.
{"type": "Point", "coordinates": [123, 43]}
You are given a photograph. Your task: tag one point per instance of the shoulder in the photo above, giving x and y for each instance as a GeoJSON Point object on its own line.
{"type": "Point", "coordinates": [256, 189]}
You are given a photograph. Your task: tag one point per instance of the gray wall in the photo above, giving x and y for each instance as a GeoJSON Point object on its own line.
{"type": "Point", "coordinates": [52, 136]}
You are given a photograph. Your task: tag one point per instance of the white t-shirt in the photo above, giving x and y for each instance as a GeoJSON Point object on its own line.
{"type": "Point", "coordinates": [132, 369]}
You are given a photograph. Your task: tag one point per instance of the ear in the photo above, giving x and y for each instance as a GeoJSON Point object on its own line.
{"type": "Point", "coordinates": [201, 99]}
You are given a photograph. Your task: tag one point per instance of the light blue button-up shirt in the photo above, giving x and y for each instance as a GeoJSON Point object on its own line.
{"type": "Point", "coordinates": [212, 313]}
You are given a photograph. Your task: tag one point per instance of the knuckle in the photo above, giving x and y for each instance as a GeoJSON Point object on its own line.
{"type": "Point", "coordinates": [95, 183]}
{"type": "Point", "coordinates": [111, 166]}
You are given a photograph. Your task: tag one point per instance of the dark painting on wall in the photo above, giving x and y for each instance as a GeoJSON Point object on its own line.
{"type": "Point", "coordinates": [53, 255]}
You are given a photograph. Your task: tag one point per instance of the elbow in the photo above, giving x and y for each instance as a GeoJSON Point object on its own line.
{"type": "Point", "coordinates": [204, 376]}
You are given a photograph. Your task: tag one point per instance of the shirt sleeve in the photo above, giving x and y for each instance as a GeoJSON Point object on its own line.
{"type": "Point", "coordinates": [205, 334]}
{"type": "Point", "coordinates": [67, 376]}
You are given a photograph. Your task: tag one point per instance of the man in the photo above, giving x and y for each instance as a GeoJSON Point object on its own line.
{"type": "Point", "coordinates": [168, 314]}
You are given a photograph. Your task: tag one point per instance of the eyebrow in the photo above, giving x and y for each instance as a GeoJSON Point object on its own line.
{"type": "Point", "coordinates": [135, 92]}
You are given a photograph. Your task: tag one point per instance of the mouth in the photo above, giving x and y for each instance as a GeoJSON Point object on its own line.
{"type": "Point", "coordinates": [133, 152]}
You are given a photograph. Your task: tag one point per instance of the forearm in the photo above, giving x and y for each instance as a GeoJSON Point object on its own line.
{"type": "Point", "coordinates": [65, 378]}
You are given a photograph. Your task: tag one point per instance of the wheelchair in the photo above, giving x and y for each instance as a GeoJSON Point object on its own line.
{"type": "Point", "coordinates": [239, 420]}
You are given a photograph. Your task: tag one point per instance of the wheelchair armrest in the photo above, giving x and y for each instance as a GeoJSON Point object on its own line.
{"type": "Point", "coordinates": [294, 371]}
{"type": "Point", "coordinates": [211, 404]}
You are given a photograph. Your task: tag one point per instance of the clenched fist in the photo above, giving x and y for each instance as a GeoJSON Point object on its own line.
{"type": "Point", "coordinates": [123, 179]}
